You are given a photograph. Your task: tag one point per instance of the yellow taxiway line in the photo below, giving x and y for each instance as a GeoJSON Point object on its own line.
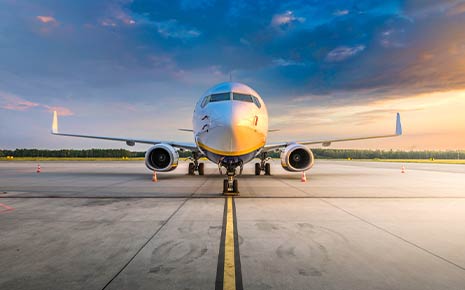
{"type": "Point", "coordinates": [229, 278]}
{"type": "Point", "coordinates": [228, 275]}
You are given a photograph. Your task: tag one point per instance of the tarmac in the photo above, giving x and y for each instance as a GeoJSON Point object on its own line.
{"type": "Point", "coordinates": [352, 225]}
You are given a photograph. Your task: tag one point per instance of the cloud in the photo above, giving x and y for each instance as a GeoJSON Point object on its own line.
{"type": "Point", "coordinates": [15, 103]}
{"type": "Point", "coordinates": [343, 52]}
{"type": "Point", "coordinates": [285, 18]}
{"type": "Point", "coordinates": [341, 12]}
{"type": "Point", "coordinates": [173, 29]}
{"type": "Point", "coordinates": [423, 114]}
{"type": "Point", "coordinates": [108, 22]}
{"type": "Point", "coordinates": [46, 19]}
{"type": "Point", "coordinates": [62, 111]}
{"type": "Point", "coordinates": [459, 8]}
{"type": "Point", "coordinates": [286, 62]}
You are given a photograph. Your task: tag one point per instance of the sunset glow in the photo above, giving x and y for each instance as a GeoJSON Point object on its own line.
{"type": "Point", "coordinates": [337, 69]}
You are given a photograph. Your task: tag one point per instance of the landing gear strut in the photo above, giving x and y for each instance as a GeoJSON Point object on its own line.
{"type": "Point", "coordinates": [231, 185]}
{"type": "Point", "coordinates": [263, 165]}
{"type": "Point", "coordinates": [195, 165]}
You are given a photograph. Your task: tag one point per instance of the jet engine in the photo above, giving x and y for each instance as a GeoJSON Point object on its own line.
{"type": "Point", "coordinates": [161, 158]}
{"type": "Point", "coordinates": [296, 157]}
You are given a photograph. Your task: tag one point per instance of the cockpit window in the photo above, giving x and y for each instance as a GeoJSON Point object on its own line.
{"type": "Point", "coordinates": [256, 102]}
{"type": "Point", "coordinates": [220, 97]}
{"type": "Point", "coordinates": [205, 101]}
{"type": "Point", "coordinates": [242, 97]}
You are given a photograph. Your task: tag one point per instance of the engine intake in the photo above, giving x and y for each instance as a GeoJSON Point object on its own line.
{"type": "Point", "coordinates": [162, 158]}
{"type": "Point", "coordinates": [296, 157]}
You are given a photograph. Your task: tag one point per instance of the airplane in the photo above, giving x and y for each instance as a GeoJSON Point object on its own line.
{"type": "Point", "coordinates": [230, 128]}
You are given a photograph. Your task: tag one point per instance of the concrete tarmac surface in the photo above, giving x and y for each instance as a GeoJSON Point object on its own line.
{"type": "Point", "coordinates": [352, 225]}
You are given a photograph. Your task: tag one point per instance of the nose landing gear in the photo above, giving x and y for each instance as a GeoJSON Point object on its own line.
{"type": "Point", "coordinates": [231, 185]}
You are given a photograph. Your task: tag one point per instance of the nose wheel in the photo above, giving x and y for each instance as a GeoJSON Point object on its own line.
{"type": "Point", "coordinates": [230, 185]}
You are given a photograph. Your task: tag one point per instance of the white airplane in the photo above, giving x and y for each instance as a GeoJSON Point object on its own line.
{"type": "Point", "coordinates": [230, 127]}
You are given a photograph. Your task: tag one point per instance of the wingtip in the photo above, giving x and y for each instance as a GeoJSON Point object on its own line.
{"type": "Point", "coordinates": [398, 125]}
{"type": "Point", "coordinates": [55, 123]}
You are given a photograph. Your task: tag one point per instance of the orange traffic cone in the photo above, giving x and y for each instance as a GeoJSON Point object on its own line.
{"type": "Point", "coordinates": [304, 177]}
{"type": "Point", "coordinates": [154, 177]}
{"type": "Point", "coordinates": [403, 169]}
{"type": "Point", "coordinates": [38, 168]}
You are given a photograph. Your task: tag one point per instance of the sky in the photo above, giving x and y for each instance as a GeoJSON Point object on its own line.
{"type": "Point", "coordinates": [325, 69]}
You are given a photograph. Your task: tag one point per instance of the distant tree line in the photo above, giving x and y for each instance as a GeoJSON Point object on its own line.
{"type": "Point", "coordinates": [319, 153]}
{"type": "Point", "coordinates": [387, 154]}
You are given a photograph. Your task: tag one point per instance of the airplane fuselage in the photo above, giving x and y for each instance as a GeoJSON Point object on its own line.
{"type": "Point", "coordinates": [230, 123]}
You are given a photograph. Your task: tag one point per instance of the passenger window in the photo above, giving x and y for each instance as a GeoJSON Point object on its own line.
{"type": "Point", "coordinates": [242, 97]}
{"type": "Point", "coordinates": [256, 102]}
{"type": "Point", "coordinates": [220, 97]}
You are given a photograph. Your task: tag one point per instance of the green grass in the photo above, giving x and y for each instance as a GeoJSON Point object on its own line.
{"type": "Point", "coordinates": [438, 161]}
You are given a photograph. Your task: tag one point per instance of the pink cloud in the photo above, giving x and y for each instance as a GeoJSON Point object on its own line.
{"type": "Point", "coordinates": [46, 19]}
{"type": "Point", "coordinates": [15, 103]}
{"type": "Point", "coordinates": [62, 111]}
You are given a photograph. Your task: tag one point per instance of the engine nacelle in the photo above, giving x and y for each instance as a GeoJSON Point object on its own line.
{"type": "Point", "coordinates": [296, 157]}
{"type": "Point", "coordinates": [161, 158]}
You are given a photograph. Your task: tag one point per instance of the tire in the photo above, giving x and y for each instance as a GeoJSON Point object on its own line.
{"type": "Point", "coordinates": [201, 168]}
{"type": "Point", "coordinates": [257, 169]}
{"type": "Point", "coordinates": [267, 169]}
{"type": "Point", "coordinates": [191, 168]}
{"type": "Point", "coordinates": [235, 186]}
{"type": "Point", "coordinates": [225, 186]}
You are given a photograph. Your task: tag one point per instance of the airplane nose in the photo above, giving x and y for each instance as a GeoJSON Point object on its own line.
{"type": "Point", "coordinates": [233, 116]}
{"type": "Point", "coordinates": [232, 131]}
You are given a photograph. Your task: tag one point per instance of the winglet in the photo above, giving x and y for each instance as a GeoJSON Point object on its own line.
{"type": "Point", "coordinates": [398, 125]}
{"type": "Point", "coordinates": [55, 123]}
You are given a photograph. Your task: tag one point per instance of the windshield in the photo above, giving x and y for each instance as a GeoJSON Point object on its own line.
{"type": "Point", "coordinates": [242, 97]}
{"type": "Point", "coordinates": [220, 97]}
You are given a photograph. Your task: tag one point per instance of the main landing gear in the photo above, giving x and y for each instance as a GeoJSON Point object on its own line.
{"type": "Point", "coordinates": [196, 166]}
{"type": "Point", "coordinates": [263, 165]}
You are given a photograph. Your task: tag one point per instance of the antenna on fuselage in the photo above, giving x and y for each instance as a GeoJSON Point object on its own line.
{"type": "Point", "coordinates": [230, 76]}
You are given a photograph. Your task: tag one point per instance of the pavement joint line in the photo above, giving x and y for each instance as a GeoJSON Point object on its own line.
{"type": "Point", "coordinates": [384, 230]}
{"type": "Point", "coordinates": [104, 186]}
{"type": "Point", "coordinates": [229, 272]}
{"type": "Point", "coordinates": [154, 234]}
{"type": "Point", "coordinates": [396, 236]}
{"type": "Point", "coordinates": [145, 244]}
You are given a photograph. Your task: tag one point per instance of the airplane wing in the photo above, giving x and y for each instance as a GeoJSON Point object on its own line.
{"type": "Point", "coordinates": [129, 141]}
{"type": "Point", "coordinates": [326, 143]}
